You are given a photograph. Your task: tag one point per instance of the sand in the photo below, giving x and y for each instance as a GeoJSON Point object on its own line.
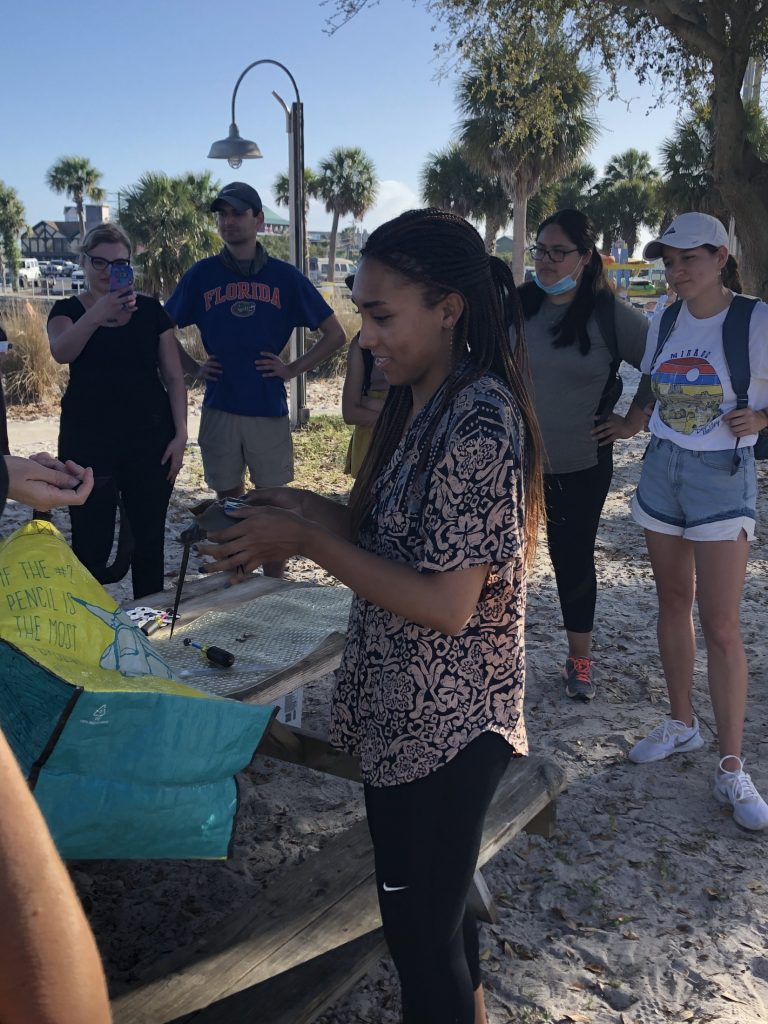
{"type": "Point", "coordinates": [649, 904]}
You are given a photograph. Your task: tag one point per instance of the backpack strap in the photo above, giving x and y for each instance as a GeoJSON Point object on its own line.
{"type": "Point", "coordinates": [736, 346]}
{"type": "Point", "coordinates": [667, 325]}
{"type": "Point", "coordinates": [605, 315]}
{"type": "Point", "coordinates": [604, 312]}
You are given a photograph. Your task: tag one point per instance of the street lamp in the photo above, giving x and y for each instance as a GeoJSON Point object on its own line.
{"type": "Point", "coordinates": [234, 149]}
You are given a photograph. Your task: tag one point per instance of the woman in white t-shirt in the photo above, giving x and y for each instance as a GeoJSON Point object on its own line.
{"type": "Point", "coordinates": [696, 499]}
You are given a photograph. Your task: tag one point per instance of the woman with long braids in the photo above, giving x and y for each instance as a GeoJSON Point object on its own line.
{"type": "Point", "coordinates": [440, 528]}
{"type": "Point", "coordinates": [578, 334]}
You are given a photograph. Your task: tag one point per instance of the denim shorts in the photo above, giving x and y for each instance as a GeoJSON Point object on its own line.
{"type": "Point", "coordinates": [696, 495]}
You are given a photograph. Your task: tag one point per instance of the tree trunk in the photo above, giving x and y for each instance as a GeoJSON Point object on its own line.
{"type": "Point", "coordinates": [80, 217]}
{"type": "Point", "coordinates": [739, 173]}
{"type": "Point", "coordinates": [332, 247]}
{"type": "Point", "coordinates": [519, 233]}
{"type": "Point", "coordinates": [492, 228]}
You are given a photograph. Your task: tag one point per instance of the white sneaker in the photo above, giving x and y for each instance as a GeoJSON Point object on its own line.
{"type": "Point", "coordinates": [671, 737]}
{"type": "Point", "coordinates": [738, 790]}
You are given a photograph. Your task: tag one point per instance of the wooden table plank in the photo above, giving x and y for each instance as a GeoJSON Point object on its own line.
{"type": "Point", "coordinates": [209, 594]}
{"type": "Point", "coordinates": [314, 908]}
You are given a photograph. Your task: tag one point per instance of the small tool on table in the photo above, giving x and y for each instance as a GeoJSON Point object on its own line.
{"type": "Point", "coordinates": [216, 655]}
{"type": "Point", "coordinates": [209, 517]}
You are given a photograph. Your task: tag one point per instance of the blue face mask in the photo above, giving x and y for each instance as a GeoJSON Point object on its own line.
{"type": "Point", "coordinates": [565, 284]}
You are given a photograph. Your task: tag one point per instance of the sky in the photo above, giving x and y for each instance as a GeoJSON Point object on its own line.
{"type": "Point", "coordinates": [147, 86]}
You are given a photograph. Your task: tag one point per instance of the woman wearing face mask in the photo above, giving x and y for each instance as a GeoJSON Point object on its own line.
{"type": "Point", "coordinates": [696, 499]}
{"type": "Point", "coordinates": [578, 335]}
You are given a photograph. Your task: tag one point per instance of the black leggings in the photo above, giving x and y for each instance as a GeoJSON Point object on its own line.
{"type": "Point", "coordinates": [143, 486]}
{"type": "Point", "coordinates": [574, 505]}
{"type": "Point", "coordinates": [426, 839]}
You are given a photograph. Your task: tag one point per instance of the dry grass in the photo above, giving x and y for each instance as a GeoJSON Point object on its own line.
{"type": "Point", "coordinates": [338, 298]}
{"type": "Point", "coordinates": [33, 378]}
{"type": "Point", "coordinates": [31, 375]}
{"type": "Point", "coordinates": [192, 343]}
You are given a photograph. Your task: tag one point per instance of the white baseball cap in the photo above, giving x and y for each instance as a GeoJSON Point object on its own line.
{"type": "Point", "coordinates": [688, 231]}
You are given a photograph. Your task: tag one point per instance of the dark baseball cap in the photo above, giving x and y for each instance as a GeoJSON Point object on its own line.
{"type": "Point", "coordinates": [239, 196]}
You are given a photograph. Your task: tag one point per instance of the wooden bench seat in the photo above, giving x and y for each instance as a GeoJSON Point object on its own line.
{"type": "Point", "coordinates": [293, 950]}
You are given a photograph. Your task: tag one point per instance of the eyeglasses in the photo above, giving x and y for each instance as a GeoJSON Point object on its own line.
{"type": "Point", "coordinates": [541, 252]}
{"type": "Point", "coordinates": [99, 263]}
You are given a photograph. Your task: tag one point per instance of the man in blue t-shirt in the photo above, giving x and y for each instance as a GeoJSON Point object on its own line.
{"type": "Point", "coordinates": [246, 304]}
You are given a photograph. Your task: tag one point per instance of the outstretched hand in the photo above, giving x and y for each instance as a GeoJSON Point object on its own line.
{"type": "Point", "coordinates": [43, 482]}
{"type": "Point", "coordinates": [264, 534]}
{"type": "Point", "coordinates": [288, 498]}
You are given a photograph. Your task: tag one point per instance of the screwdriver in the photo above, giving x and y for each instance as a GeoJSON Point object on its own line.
{"type": "Point", "coordinates": [217, 655]}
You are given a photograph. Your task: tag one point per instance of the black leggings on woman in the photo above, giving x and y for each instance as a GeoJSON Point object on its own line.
{"type": "Point", "coordinates": [574, 505]}
{"type": "Point", "coordinates": [141, 480]}
{"type": "Point", "coordinates": [426, 839]}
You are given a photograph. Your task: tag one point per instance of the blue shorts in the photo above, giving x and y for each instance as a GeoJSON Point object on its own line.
{"type": "Point", "coordinates": [695, 494]}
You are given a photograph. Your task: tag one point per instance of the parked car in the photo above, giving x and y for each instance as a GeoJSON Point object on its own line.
{"type": "Point", "coordinates": [29, 272]}
{"type": "Point", "coordinates": [641, 286]}
{"type": "Point", "coordinates": [61, 268]}
{"type": "Point", "coordinates": [78, 280]}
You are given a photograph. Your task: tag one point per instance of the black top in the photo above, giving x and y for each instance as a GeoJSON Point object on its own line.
{"type": "Point", "coordinates": [115, 378]}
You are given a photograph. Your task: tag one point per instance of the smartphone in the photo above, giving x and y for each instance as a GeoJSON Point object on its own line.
{"type": "Point", "coordinates": [120, 278]}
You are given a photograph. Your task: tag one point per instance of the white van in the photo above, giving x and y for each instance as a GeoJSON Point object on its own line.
{"type": "Point", "coordinates": [318, 268]}
{"type": "Point", "coordinates": [28, 273]}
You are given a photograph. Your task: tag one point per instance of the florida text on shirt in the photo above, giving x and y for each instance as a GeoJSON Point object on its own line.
{"type": "Point", "coordinates": [239, 291]}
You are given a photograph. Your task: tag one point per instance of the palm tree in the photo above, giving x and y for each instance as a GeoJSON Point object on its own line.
{"type": "Point", "coordinates": [630, 165]}
{"type": "Point", "coordinates": [281, 190]}
{"type": "Point", "coordinates": [576, 191]}
{"type": "Point", "coordinates": [628, 197]}
{"type": "Point", "coordinates": [78, 178]}
{"type": "Point", "coordinates": [534, 133]}
{"type": "Point", "coordinates": [450, 183]}
{"type": "Point", "coordinates": [171, 225]}
{"type": "Point", "coordinates": [346, 183]}
{"type": "Point", "coordinates": [688, 156]}
{"type": "Point", "coordinates": [12, 221]}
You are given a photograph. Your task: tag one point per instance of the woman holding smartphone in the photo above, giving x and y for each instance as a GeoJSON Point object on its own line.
{"type": "Point", "coordinates": [116, 415]}
{"type": "Point", "coordinates": [435, 541]}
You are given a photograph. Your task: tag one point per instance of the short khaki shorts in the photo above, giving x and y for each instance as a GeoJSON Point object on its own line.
{"type": "Point", "coordinates": [230, 443]}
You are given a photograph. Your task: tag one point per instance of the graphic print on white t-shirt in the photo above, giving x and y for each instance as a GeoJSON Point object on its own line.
{"type": "Point", "coordinates": [689, 392]}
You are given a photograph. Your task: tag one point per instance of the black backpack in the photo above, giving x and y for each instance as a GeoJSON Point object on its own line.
{"type": "Point", "coordinates": [735, 348]}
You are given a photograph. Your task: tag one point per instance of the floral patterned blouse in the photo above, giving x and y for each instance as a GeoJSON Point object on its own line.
{"type": "Point", "coordinates": [408, 698]}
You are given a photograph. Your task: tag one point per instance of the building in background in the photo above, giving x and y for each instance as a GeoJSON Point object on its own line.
{"type": "Point", "coordinates": [58, 239]}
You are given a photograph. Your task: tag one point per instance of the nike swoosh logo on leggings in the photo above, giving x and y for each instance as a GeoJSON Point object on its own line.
{"type": "Point", "coordinates": [392, 888]}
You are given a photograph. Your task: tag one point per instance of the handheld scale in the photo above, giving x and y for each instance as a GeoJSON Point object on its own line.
{"type": "Point", "coordinates": [209, 518]}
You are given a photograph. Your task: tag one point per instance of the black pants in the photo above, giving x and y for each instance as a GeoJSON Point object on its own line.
{"type": "Point", "coordinates": [142, 484]}
{"type": "Point", "coordinates": [426, 839]}
{"type": "Point", "coordinates": [574, 505]}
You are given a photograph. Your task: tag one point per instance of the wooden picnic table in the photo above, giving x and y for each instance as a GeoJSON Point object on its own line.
{"type": "Point", "coordinates": [209, 594]}
{"type": "Point", "coordinates": [285, 956]}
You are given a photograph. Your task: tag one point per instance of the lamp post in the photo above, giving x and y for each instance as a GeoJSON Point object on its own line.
{"type": "Point", "coordinates": [234, 149]}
